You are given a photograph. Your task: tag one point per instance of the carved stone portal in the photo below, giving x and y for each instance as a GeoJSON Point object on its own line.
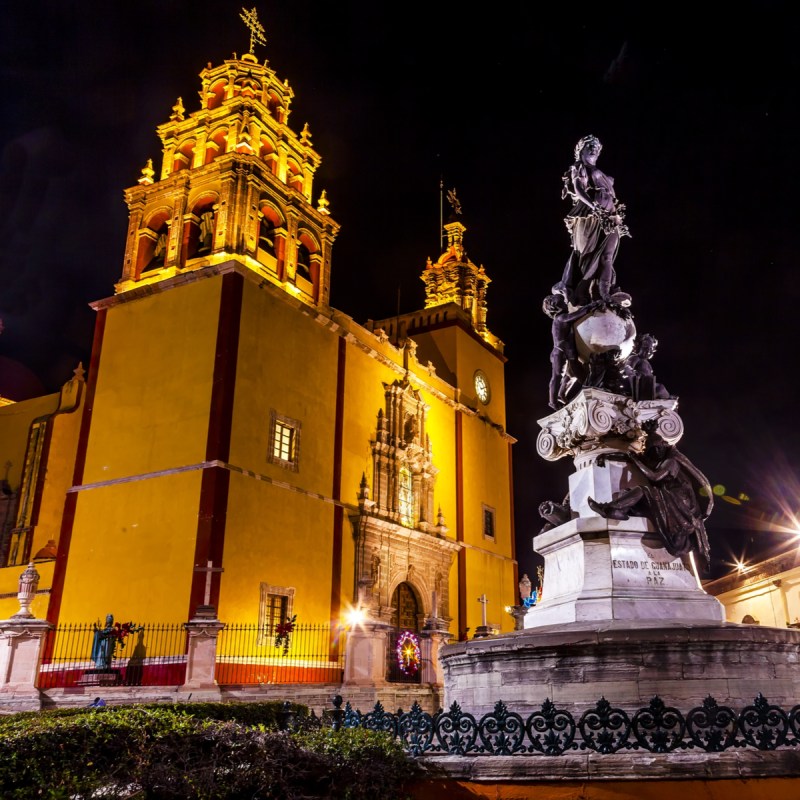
{"type": "Point", "coordinates": [398, 537]}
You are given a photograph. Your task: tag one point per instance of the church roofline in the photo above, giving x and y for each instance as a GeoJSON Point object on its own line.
{"type": "Point", "coordinates": [437, 318]}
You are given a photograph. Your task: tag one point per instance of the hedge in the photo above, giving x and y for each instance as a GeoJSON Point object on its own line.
{"type": "Point", "coordinates": [202, 750]}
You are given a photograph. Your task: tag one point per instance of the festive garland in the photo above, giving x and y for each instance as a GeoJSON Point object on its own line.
{"type": "Point", "coordinates": [408, 653]}
{"type": "Point", "coordinates": [283, 632]}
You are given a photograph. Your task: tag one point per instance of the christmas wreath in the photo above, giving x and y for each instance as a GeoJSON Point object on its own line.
{"type": "Point", "coordinates": [408, 653]}
{"type": "Point", "coordinates": [282, 633]}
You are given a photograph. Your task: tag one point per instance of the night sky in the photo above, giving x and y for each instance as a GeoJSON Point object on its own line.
{"type": "Point", "coordinates": [699, 122]}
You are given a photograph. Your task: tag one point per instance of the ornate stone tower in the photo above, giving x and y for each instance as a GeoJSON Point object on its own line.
{"type": "Point", "coordinates": [237, 181]}
{"type": "Point", "coordinates": [454, 278]}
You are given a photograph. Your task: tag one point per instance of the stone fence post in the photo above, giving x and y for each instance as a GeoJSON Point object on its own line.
{"type": "Point", "coordinates": [365, 654]}
{"type": "Point", "coordinates": [21, 642]}
{"type": "Point", "coordinates": [201, 659]}
{"type": "Point", "coordinates": [431, 638]}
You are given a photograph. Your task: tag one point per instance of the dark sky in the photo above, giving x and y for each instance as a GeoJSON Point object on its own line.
{"type": "Point", "coordinates": [699, 122]}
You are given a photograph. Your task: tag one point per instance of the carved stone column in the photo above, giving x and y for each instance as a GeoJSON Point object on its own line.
{"type": "Point", "coordinates": [201, 658]}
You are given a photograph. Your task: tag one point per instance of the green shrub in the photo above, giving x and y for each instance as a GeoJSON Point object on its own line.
{"type": "Point", "coordinates": [364, 764]}
{"type": "Point", "coordinates": [164, 752]}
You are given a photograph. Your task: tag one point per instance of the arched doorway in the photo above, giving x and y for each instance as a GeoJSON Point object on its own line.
{"type": "Point", "coordinates": [403, 664]}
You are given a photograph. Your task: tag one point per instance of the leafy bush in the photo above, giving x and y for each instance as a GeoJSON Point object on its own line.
{"type": "Point", "coordinates": [267, 713]}
{"type": "Point", "coordinates": [171, 752]}
{"type": "Point", "coordinates": [369, 764]}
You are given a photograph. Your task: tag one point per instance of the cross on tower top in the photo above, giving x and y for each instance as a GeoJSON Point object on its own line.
{"type": "Point", "coordinates": [250, 18]}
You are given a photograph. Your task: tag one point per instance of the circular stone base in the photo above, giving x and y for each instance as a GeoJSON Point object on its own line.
{"type": "Point", "coordinates": [577, 664]}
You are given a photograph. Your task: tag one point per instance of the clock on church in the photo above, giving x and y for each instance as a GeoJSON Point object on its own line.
{"type": "Point", "coordinates": [482, 386]}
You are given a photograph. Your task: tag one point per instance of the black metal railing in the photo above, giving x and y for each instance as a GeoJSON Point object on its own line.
{"type": "Point", "coordinates": [151, 655]}
{"type": "Point", "coordinates": [604, 729]}
{"type": "Point", "coordinates": [248, 654]}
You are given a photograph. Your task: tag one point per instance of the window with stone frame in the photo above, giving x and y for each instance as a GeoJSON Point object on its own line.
{"type": "Point", "coordinates": [488, 522]}
{"type": "Point", "coordinates": [275, 607]}
{"type": "Point", "coordinates": [284, 441]}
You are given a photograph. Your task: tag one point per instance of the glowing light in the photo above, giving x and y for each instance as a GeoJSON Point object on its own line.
{"type": "Point", "coordinates": [408, 653]}
{"type": "Point", "coordinates": [719, 490]}
{"type": "Point", "coordinates": [355, 617]}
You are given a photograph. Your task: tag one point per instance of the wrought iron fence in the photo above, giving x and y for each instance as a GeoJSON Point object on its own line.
{"type": "Point", "coordinates": [604, 729]}
{"type": "Point", "coordinates": [150, 655]}
{"type": "Point", "coordinates": [249, 654]}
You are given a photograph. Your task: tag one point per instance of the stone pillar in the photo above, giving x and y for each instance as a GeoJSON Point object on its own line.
{"type": "Point", "coordinates": [201, 658]}
{"type": "Point", "coordinates": [21, 641]}
{"type": "Point", "coordinates": [365, 655]}
{"type": "Point", "coordinates": [431, 639]}
{"type": "Point", "coordinates": [518, 613]}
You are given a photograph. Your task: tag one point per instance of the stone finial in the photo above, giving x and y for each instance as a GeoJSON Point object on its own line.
{"type": "Point", "coordinates": [28, 584]}
{"type": "Point", "coordinates": [79, 372]}
{"type": "Point", "coordinates": [305, 135]}
{"type": "Point", "coordinates": [147, 173]}
{"type": "Point", "coordinates": [178, 111]}
{"type": "Point", "coordinates": [323, 204]}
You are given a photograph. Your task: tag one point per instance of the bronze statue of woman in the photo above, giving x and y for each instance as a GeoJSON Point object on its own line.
{"type": "Point", "coordinates": [595, 224]}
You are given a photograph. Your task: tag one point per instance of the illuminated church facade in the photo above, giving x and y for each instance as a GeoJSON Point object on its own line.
{"type": "Point", "coordinates": [237, 443]}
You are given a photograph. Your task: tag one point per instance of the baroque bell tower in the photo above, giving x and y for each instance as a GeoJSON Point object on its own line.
{"type": "Point", "coordinates": [236, 182]}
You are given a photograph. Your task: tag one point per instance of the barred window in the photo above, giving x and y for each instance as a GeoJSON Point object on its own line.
{"type": "Point", "coordinates": [275, 607]}
{"type": "Point", "coordinates": [284, 441]}
{"type": "Point", "coordinates": [488, 522]}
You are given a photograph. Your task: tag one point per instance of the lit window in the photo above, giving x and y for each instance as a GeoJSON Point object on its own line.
{"type": "Point", "coordinates": [405, 497]}
{"type": "Point", "coordinates": [284, 441]}
{"type": "Point", "coordinates": [488, 522]}
{"type": "Point", "coordinates": [275, 608]}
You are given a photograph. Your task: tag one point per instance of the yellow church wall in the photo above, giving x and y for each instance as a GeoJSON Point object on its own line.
{"type": "Point", "coordinates": [486, 481]}
{"type": "Point", "coordinates": [60, 472]}
{"type": "Point", "coordinates": [132, 551]}
{"type": "Point", "coordinates": [153, 390]}
{"type": "Point", "coordinates": [279, 537]}
{"type": "Point", "coordinates": [63, 430]}
{"type": "Point", "coordinates": [440, 347]}
{"type": "Point", "coordinates": [494, 577]}
{"type": "Point", "coordinates": [287, 362]}
{"type": "Point", "coordinates": [15, 424]}
{"type": "Point", "coordinates": [441, 428]}
{"type": "Point", "coordinates": [472, 355]}
{"type": "Point", "coordinates": [489, 565]}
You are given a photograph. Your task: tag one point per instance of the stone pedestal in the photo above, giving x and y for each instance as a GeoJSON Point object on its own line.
{"type": "Point", "coordinates": [605, 570]}
{"type": "Point", "coordinates": [365, 655]}
{"type": "Point", "coordinates": [203, 630]}
{"type": "Point", "coordinates": [21, 641]}
{"type": "Point", "coordinates": [431, 639]}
